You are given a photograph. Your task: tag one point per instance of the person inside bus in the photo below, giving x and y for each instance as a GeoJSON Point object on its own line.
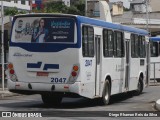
{"type": "Point", "coordinates": [19, 29]}
{"type": "Point", "coordinates": [27, 29]}
{"type": "Point", "coordinates": [40, 33]}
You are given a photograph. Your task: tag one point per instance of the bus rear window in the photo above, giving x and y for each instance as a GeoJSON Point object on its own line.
{"type": "Point", "coordinates": [43, 29]}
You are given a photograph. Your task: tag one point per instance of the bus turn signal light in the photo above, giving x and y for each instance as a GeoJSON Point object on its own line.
{"type": "Point", "coordinates": [10, 66]}
{"type": "Point", "coordinates": [75, 68]}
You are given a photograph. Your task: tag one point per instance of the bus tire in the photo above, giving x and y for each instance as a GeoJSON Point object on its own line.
{"type": "Point", "coordinates": [51, 99]}
{"type": "Point", "coordinates": [106, 93]}
{"type": "Point", "coordinates": [139, 87]}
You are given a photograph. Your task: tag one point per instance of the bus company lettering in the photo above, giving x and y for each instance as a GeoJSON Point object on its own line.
{"type": "Point", "coordinates": [59, 37]}
{"type": "Point", "coordinates": [60, 24]}
{"type": "Point", "coordinates": [22, 55]}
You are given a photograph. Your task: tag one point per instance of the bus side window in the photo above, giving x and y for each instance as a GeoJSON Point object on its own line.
{"type": "Point", "coordinates": [154, 49]}
{"type": "Point", "coordinates": [134, 46]}
{"type": "Point", "coordinates": [108, 43]}
{"type": "Point", "coordinates": [118, 44]}
{"type": "Point", "coordinates": [87, 41]}
{"type": "Point", "coordinates": [142, 47]}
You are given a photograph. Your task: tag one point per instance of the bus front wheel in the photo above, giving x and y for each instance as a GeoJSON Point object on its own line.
{"type": "Point", "coordinates": [106, 93]}
{"type": "Point", "coordinates": [51, 99]}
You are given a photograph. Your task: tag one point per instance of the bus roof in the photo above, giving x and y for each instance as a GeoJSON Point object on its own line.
{"type": "Point", "coordinates": [156, 39]}
{"type": "Point", "coordinates": [96, 22]}
{"type": "Point", "coordinates": [109, 25]}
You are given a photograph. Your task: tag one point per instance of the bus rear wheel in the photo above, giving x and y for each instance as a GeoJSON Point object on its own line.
{"type": "Point", "coordinates": [51, 99]}
{"type": "Point", "coordinates": [106, 93]}
{"type": "Point", "coordinates": [139, 87]}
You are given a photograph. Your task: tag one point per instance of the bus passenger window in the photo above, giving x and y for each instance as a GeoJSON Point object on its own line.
{"type": "Point", "coordinates": [142, 47]}
{"type": "Point", "coordinates": [118, 48]}
{"type": "Point", "coordinates": [154, 49]}
{"type": "Point", "coordinates": [134, 46]}
{"type": "Point", "coordinates": [87, 41]}
{"type": "Point", "coordinates": [108, 43]}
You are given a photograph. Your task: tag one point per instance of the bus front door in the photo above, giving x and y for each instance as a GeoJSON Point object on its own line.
{"type": "Point", "coordinates": [98, 60]}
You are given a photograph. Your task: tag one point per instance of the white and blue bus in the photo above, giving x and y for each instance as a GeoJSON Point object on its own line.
{"type": "Point", "coordinates": [155, 58]}
{"type": "Point", "coordinates": [59, 55]}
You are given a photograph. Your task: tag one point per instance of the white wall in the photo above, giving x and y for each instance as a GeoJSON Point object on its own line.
{"type": "Point", "coordinates": [66, 2]}
{"type": "Point", "coordinates": [18, 5]}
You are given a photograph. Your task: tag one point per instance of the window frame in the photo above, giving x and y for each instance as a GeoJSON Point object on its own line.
{"type": "Point", "coordinates": [87, 40]}
{"type": "Point", "coordinates": [122, 53]}
{"type": "Point", "coordinates": [139, 49]}
{"type": "Point", "coordinates": [23, 2]}
{"type": "Point", "coordinates": [157, 48]}
{"type": "Point", "coordinates": [107, 41]}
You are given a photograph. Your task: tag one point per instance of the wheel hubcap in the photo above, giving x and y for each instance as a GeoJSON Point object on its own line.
{"type": "Point", "coordinates": [106, 95]}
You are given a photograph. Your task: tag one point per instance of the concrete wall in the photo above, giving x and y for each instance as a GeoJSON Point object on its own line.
{"type": "Point", "coordinates": [155, 5]}
{"type": "Point", "coordinates": [117, 10]}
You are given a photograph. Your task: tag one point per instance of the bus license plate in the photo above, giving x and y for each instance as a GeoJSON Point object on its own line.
{"type": "Point", "coordinates": [42, 74]}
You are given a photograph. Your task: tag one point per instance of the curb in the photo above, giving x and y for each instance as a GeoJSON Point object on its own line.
{"type": "Point", "coordinates": [7, 94]}
{"type": "Point", "coordinates": [158, 104]}
{"type": "Point", "coordinates": [154, 84]}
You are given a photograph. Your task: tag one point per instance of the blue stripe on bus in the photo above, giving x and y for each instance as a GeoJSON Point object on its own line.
{"type": "Point", "coordinates": [155, 39]}
{"type": "Point", "coordinates": [113, 26]}
{"type": "Point", "coordinates": [34, 65]}
{"type": "Point", "coordinates": [51, 66]}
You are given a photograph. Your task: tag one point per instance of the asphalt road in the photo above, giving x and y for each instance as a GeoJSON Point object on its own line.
{"type": "Point", "coordinates": [80, 106]}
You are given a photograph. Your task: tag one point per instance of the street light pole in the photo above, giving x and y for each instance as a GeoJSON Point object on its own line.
{"type": "Point", "coordinates": [2, 44]}
{"type": "Point", "coordinates": [148, 46]}
{"type": "Point", "coordinates": [147, 16]}
{"type": "Point", "coordinates": [86, 7]}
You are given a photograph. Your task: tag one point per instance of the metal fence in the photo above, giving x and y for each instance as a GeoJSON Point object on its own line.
{"type": "Point", "coordinates": [155, 73]}
{"type": "Point", "coordinates": [5, 81]}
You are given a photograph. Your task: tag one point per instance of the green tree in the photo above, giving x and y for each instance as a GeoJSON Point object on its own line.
{"type": "Point", "coordinates": [126, 9]}
{"type": "Point", "coordinates": [77, 8]}
{"type": "Point", "coordinates": [13, 11]}
{"type": "Point", "coordinates": [80, 7]}
{"type": "Point", "coordinates": [72, 10]}
{"type": "Point", "coordinates": [55, 7]}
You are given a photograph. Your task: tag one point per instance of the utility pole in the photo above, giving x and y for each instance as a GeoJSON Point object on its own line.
{"type": "Point", "coordinates": [2, 44]}
{"type": "Point", "coordinates": [30, 6]}
{"type": "Point", "coordinates": [147, 15]}
{"type": "Point", "coordinates": [148, 46]}
{"type": "Point", "coordinates": [86, 7]}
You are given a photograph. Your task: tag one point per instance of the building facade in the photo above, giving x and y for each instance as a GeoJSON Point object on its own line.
{"type": "Point", "coordinates": [140, 5]}
{"type": "Point", "coordinates": [116, 8]}
{"type": "Point", "coordinates": [137, 16]}
{"type": "Point", "coordinates": [67, 2]}
{"type": "Point", "coordinates": [154, 5]}
{"type": "Point", "coordinates": [20, 4]}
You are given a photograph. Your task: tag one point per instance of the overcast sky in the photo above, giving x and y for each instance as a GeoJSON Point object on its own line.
{"type": "Point", "coordinates": [125, 2]}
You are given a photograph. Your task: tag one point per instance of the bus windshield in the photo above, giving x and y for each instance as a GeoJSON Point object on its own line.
{"type": "Point", "coordinates": [43, 29]}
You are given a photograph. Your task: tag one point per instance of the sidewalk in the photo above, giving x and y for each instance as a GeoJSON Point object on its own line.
{"type": "Point", "coordinates": [155, 83]}
{"type": "Point", "coordinates": [6, 93]}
